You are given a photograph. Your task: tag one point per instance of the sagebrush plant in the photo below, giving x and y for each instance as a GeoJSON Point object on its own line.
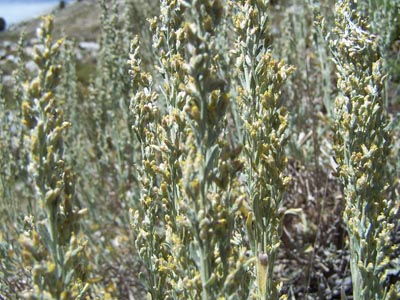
{"type": "Point", "coordinates": [52, 246]}
{"type": "Point", "coordinates": [108, 125]}
{"type": "Point", "coordinates": [264, 137]}
{"type": "Point", "coordinates": [384, 22]}
{"type": "Point", "coordinates": [362, 147]}
{"type": "Point", "coordinates": [189, 226]}
{"type": "Point", "coordinates": [310, 89]}
{"type": "Point", "coordinates": [147, 214]}
{"type": "Point", "coordinates": [177, 131]}
{"type": "Point", "coordinates": [310, 92]}
{"type": "Point", "coordinates": [5, 155]}
{"type": "Point", "coordinates": [112, 77]}
{"type": "Point", "coordinates": [18, 152]}
{"type": "Point", "coordinates": [14, 158]}
{"type": "Point", "coordinates": [197, 141]}
{"type": "Point", "coordinates": [210, 181]}
{"type": "Point", "coordinates": [8, 264]}
{"type": "Point", "coordinates": [135, 21]}
{"type": "Point", "coordinates": [67, 88]}
{"type": "Point", "coordinates": [150, 215]}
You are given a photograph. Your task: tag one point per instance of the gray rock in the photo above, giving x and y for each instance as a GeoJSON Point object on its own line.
{"type": "Point", "coordinates": [12, 58]}
{"type": "Point", "coordinates": [78, 54]}
{"type": "Point", "coordinates": [6, 44]}
{"type": "Point", "coordinates": [31, 66]}
{"type": "Point", "coordinates": [30, 51]}
{"type": "Point", "coordinates": [7, 80]}
{"type": "Point", "coordinates": [89, 46]}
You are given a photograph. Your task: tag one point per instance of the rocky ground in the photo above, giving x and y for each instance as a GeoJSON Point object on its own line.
{"type": "Point", "coordinates": [78, 21]}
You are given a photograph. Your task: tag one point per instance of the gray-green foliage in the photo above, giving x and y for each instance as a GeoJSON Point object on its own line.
{"type": "Point", "coordinates": [181, 240]}
{"type": "Point", "coordinates": [14, 158]}
{"type": "Point", "coordinates": [194, 136]}
{"type": "Point", "coordinates": [106, 122]}
{"type": "Point", "coordinates": [385, 24]}
{"type": "Point", "coordinates": [362, 146]}
{"type": "Point", "coordinates": [189, 226]}
{"type": "Point", "coordinates": [51, 244]}
{"type": "Point", "coordinates": [310, 89]}
{"type": "Point", "coordinates": [264, 122]}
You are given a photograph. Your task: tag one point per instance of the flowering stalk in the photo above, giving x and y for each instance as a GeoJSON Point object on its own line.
{"type": "Point", "coordinates": [169, 42]}
{"type": "Point", "coordinates": [5, 155]}
{"type": "Point", "coordinates": [147, 216]}
{"type": "Point", "coordinates": [159, 133]}
{"type": "Point", "coordinates": [264, 135]}
{"type": "Point", "coordinates": [362, 146]}
{"type": "Point", "coordinates": [209, 171]}
{"type": "Point", "coordinates": [50, 245]}
{"type": "Point", "coordinates": [190, 192]}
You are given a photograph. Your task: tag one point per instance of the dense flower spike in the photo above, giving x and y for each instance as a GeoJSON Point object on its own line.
{"type": "Point", "coordinates": [362, 147]}
{"type": "Point", "coordinates": [51, 244]}
{"type": "Point", "coordinates": [192, 197]}
{"type": "Point", "coordinates": [190, 189]}
{"type": "Point", "coordinates": [265, 122]}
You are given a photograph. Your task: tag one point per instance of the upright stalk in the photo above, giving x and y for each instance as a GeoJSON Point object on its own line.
{"type": "Point", "coordinates": [362, 146]}
{"type": "Point", "coordinates": [265, 121]}
{"type": "Point", "coordinates": [50, 244]}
